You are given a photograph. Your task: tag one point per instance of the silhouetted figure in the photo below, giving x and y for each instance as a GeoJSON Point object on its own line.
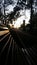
{"type": "Point", "coordinates": [23, 25]}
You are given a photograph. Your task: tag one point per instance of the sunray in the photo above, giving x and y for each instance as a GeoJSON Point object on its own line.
{"type": "Point", "coordinates": [25, 54]}
{"type": "Point", "coordinates": [8, 51]}
{"type": "Point", "coordinates": [5, 45]}
{"type": "Point", "coordinates": [4, 37]}
{"type": "Point", "coordinates": [34, 53]}
{"type": "Point", "coordinates": [12, 52]}
{"type": "Point", "coordinates": [20, 50]}
{"type": "Point", "coordinates": [30, 56]}
{"type": "Point", "coordinates": [20, 40]}
{"type": "Point", "coordinates": [34, 48]}
{"type": "Point", "coordinates": [22, 55]}
{"type": "Point", "coordinates": [16, 54]}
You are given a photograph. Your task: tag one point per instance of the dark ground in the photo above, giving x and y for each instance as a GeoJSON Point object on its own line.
{"type": "Point", "coordinates": [18, 48]}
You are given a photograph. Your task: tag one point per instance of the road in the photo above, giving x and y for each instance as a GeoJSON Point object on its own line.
{"type": "Point", "coordinates": [22, 38]}
{"type": "Point", "coordinates": [16, 48]}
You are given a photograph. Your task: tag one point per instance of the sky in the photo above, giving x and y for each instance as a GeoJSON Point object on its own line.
{"type": "Point", "coordinates": [25, 17]}
{"type": "Point", "coordinates": [23, 14]}
{"type": "Point", "coordinates": [8, 6]}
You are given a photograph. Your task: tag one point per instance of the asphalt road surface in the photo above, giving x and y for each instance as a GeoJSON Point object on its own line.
{"type": "Point", "coordinates": [18, 48]}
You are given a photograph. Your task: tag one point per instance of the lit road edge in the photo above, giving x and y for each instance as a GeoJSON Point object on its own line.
{"type": "Point", "coordinates": [3, 32]}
